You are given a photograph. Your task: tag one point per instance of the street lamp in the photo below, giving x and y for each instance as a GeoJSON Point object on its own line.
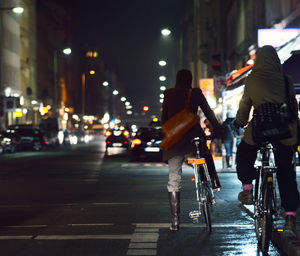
{"type": "Point", "coordinates": [65, 51]}
{"type": "Point", "coordinates": [162, 63]}
{"type": "Point", "coordinates": [165, 32]}
{"type": "Point", "coordinates": [162, 78]}
{"type": "Point", "coordinates": [105, 83]}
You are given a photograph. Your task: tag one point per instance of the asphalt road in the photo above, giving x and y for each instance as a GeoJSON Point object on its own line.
{"type": "Point", "coordinates": [81, 201]}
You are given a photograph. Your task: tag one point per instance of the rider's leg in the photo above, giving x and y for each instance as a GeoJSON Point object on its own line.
{"type": "Point", "coordinates": [287, 184]}
{"type": "Point", "coordinates": [246, 156]}
{"type": "Point", "coordinates": [174, 186]}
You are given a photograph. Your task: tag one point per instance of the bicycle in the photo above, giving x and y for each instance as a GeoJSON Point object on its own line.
{"type": "Point", "coordinates": [204, 192]}
{"type": "Point", "coordinates": [265, 208]}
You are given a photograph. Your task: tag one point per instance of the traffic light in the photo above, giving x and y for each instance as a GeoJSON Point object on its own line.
{"type": "Point", "coordinates": [146, 108]}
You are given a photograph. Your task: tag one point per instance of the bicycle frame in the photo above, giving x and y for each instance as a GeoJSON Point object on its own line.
{"type": "Point", "coordinates": [265, 197]}
{"type": "Point", "coordinates": [204, 192]}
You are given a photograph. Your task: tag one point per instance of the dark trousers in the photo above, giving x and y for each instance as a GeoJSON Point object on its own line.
{"type": "Point", "coordinates": [286, 175]}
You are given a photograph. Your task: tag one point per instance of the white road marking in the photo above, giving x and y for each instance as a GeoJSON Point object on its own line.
{"type": "Point", "coordinates": [114, 203]}
{"type": "Point", "coordinates": [26, 226]}
{"type": "Point", "coordinates": [90, 224]}
{"type": "Point", "coordinates": [84, 237]}
{"type": "Point", "coordinates": [16, 237]}
{"type": "Point", "coordinates": [141, 252]}
{"type": "Point", "coordinates": [143, 245]}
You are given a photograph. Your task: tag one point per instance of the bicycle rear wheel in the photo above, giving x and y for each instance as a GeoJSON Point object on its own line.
{"type": "Point", "coordinates": [267, 221]}
{"type": "Point", "coordinates": [206, 207]}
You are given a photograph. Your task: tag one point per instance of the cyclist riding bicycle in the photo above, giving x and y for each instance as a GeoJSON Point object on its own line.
{"type": "Point", "coordinates": [265, 84]}
{"type": "Point", "coordinates": [174, 101]}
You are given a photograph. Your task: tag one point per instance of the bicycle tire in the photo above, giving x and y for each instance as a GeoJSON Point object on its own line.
{"type": "Point", "coordinates": [207, 217]}
{"type": "Point", "coordinates": [267, 223]}
{"type": "Point", "coordinates": [206, 208]}
{"type": "Point", "coordinates": [257, 208]}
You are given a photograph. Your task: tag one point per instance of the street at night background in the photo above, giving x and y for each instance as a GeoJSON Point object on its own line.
{"type": "Point", "coordinates": [70, 70]}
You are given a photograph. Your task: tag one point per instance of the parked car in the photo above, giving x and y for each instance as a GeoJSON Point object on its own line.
{"type": "Point", "coordinates": [147, 142]}
{"type": "Point", "coordinates": [8, 142]}
{"type": "Point", "coordinates": [117, 138]}
{"type": "Point", "coordinates": [27, 137]}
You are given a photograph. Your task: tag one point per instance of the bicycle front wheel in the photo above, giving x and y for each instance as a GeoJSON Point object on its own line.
{"type": "Point", "coordinates": [267, 223]}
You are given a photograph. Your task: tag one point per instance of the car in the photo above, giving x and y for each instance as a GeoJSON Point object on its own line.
{"type": "Point", "coordinates": [117, 138]}
{"type": "Point", "coordinates": [27, 137]}
{"type": "Point", "coordinates": [49, 127]}
{"type": "Point", "coordinates": [147, 142]}
{"type": "Point", "coordinates": [8, 143]}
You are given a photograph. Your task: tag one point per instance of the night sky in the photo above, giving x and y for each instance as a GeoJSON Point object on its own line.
{"type": "Point", "coordinates": [127, 34]}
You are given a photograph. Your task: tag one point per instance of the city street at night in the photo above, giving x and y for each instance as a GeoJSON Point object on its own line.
{"type": "Point", "coordinates": [80, 200]}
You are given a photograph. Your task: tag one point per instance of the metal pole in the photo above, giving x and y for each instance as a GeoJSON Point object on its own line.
{"type": "Point", "coordinates": [83, 93]}
{"type": "Point", "coordinates": [55, 80]}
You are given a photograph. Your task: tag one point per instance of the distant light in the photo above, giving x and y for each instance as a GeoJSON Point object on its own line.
{"type": "Point", "coordinates": [162, 78]}
{"type": "Point", "coordinates": [161, 100]}
{"type": "Point", "coordinates": [115, 92]}
{"type": "Point", "coordinates": [162, 63]}
{"type": "Point", "coordinates": [105, 83]}
{"type": "Point", "coordinates": [92, 72]}
{"type": "Point", "coordinates": [146, 108]}
{"type": "Point", "coordinates": [165, 32]}
{"type": "Point", "coordinates": [127, 103]}
{"type": "Point", "coordinates": [18, 10]}
{"type": "Point", "coordinates": [129, 112]}
{"type": "Point", "coordinates": [161, 96]}
{"type": "Point", "coordinates": [67, 51]}
{"type": "Point", "coordinates": [163, 88]}
{"type": "Point", "coordinates": [123, 99]}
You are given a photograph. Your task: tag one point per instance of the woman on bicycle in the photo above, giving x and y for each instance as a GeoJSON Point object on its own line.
{"type": "Point", "coordinates": [174, 101]}
{"type": "Point", "coordinates": [266, 84]}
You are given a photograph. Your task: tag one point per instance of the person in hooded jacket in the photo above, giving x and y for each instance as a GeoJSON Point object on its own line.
{"type": "Point", "coordinates": [266, 84]}
{"type": "Point", "coordinates": [228, 137]}
{"type": "Point", "coordinates": [174, 101]}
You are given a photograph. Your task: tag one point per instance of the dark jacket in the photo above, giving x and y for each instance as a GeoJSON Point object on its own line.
{"type": "Point", "coordinates": [229, 130]}
{"type": "Point", "coordinates": [266, 84]}
{"type": "Point", "coordinates": [174, 101]}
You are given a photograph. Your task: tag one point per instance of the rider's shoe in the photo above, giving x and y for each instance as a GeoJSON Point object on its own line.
{"type": "Point", "coordinates": [290, 226]}
{"type": "Point", "coordinates": [246, 196]}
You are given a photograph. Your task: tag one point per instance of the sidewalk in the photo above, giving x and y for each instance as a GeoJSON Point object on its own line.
{"type": "Point", "coordinates": [286, 245]}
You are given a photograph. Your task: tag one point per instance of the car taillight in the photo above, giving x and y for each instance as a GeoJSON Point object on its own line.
{"type": "Point", "coordinates": [136, 142]}
{"type": "Point", "coordinates": [125, 141]}
{"type": "Point", "coordinates": [107, 142]}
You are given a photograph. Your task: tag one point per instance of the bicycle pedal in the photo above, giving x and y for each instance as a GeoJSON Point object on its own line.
{"type": "Point", "coordinates": [195, 215]}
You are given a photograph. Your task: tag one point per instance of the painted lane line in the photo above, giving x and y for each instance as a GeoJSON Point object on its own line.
{"type": "Point", "coordinates": [114, 203]}
{"type": "Point", "coordinates": [141, 252]}
{"type": "Point", "coordinates": [146, 230]}
{"type": "Point", "coordinates": [143, 245]}
{"type": "Point", "coordinates": [192, 225]}
{"type": "Point", "coordinates": [16, 237]}
{"type": "Point", "coordinates": [84, 237]}
{"type": "Point", "coordinates": [26, 226]}
{"type": "Point", "coordinates": [90, 224]}
{"type": "Point", "coordinates": [144, 237]}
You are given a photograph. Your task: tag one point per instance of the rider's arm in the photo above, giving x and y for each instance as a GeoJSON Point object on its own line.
{"type": "Point", "coordinates": [245, 105]}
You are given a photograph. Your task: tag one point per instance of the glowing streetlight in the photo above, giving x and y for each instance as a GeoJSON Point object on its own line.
{"type": "Point", "coordinates": [162, 63]}
{"type": "Point", "coordinates": [162, 78]}
{"type": "Point", "coordinates": [123, 99]}
{"type": "Point", "coordinates": [161, 96]}
{"type": "Point", "coordinates": [163, 88]}
{"type": "Point", "coordinates": [165, 32]}
{"type": "Point", "coordinates": [18, 9]}
{"type": "Point", "coordinates": [92, 72]}
{"type": "Point", "coordinates": [105, 83]}
{"type": "Point", "coordinates": [67, 51]}
{"type": "Point", "coordinates": [115, 92]}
